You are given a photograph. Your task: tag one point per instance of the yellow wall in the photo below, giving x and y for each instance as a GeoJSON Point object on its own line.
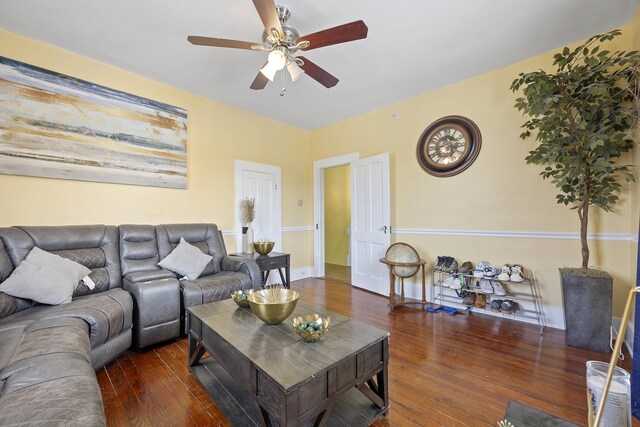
{"type": "Point", "coordinates": [337, 214]}
{"type": "Point", "coordinates": [218, 135]}
{"type": "Point", "coordinates": [498, 192]}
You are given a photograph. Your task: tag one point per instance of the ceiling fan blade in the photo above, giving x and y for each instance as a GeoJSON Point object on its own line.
{"type": "Point", "coordinates": [260, 81]}
{"type": "Point", "coordinates": [342, 33]}
{"type": "Point", "coordinates": [269, 16]}
{"type": "Point", "coordinates": [216, 42]}
{"type": "Point", "coordinates": [318, 74]}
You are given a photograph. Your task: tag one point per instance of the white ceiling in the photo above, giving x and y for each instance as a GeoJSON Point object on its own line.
{"type": "Point", "coordinates": [413, 46]}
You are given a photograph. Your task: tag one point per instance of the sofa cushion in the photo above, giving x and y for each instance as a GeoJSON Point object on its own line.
{"type": "Point", "coordinates": [10, 305]}
{"type": "Point", "coordinates": [213, 288]}
{"type": "Point", "coordinates": [45, 278]}
{"type": "Point", "coordinates": [94, 246]}
{"type": "Point", "coordinates": [73, 401]}
{"type": "Point", "coordinates": [205, 237]}
{"type": "Point", "coordinates": [138, 248]}
{"type": "Point", "coordinates": [107, 314]}
{"type": "Point", "coordinates": [186, 260]}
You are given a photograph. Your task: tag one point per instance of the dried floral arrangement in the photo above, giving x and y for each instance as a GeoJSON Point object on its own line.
{"type": "Point", "coordinates": [247, 210]}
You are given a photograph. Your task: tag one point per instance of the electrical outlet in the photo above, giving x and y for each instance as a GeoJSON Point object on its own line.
{"type": "Point", "coordinates": [300, 203]}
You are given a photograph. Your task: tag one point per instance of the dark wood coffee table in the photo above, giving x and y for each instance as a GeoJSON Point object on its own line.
{"type": "Point", "coordinates": [292, 381]}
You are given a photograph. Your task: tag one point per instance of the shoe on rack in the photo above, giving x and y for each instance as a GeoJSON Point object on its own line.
{"type": "Point", "coordinates": [439, 263]}
{"type": "Point", "coordinates": [489, 271]}
{"type": "Point", "coordinates": [466, 268]}
{"type": "Point", "coordinates": [486, 287]}
{"type": "Point", "coordinates": [450, 267]}
{"type": "Point", "coordinates": [448, 281]}
{"type": "Point", "coordinates": [481, 301]}
{"type": "Point", "coordinates": [495, 304]}
{"type": "Point", "coordinates": [469, 299]}
{"type": "Point", "coordinates": [505, 273]}
{"type": "Point", "coordinates": [517, 273]}
{"type": "Point", "coordinates": [508, 307]}
{"type": "Point", "coordinates": [479, 271]}
{"type": "Point", "coordinates": [447, 262]}
{"type": "Point", "coordinates": [498, 289]}
{"type": "Point", "coordinates": [456, 283]}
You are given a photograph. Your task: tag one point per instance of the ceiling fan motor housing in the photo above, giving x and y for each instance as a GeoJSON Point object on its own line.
{"type": "Point", "coordinates": [290, 36]}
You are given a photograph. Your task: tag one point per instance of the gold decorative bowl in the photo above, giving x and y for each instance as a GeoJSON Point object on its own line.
{"type": "Point", "coordinates": [312, 327]}
{"type": "Point", "coordinates": [273, 305]}
{"type": "Point", "coordinates": [263, 248]}
{"type": "Point", "coordinates": [241, 298]}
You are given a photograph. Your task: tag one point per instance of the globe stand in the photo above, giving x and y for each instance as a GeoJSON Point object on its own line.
{"type": "Point", "coordinates": [403, 261]}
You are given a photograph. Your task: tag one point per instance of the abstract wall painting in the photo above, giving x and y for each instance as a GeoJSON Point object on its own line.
{"type": "Point", "coordinates": [56, 126]}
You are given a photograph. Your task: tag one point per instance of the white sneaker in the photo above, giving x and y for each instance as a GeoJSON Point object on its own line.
{"type": "Point", "coordinates": [490, 271]}
{"type": "Point", "coordinates": [448, 281]}
{"type": "Point", "coordinates": [505, 273]}
{"type": "Point", "coordinates": [485, 286]}
{"type": "Point", "coordinates": [517, 273]}
{"type": "Point", "coordinates": [456, 284]}
{"type": "Point", "coordinates": [479, 271]}
{"type": "Point", "coordinates": [498, 289]}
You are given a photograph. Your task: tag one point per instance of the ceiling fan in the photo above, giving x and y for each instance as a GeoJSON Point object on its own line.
{"type": "Point", "coordinates": [283, 41]}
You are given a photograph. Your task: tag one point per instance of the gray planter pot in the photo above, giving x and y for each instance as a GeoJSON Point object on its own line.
{"type": "Point", "coordinates": [586, 298]}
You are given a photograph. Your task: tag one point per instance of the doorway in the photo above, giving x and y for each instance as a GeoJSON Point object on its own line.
{"type": "Point", "coordinates": [337, 223]}
{"type": "Point", "coordinates": [370, 218]}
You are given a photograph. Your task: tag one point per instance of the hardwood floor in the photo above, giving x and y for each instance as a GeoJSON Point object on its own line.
{"type": "Point", "coordinates": [444, 370]}
{"type": "Point", "coordinates": [337, 273]}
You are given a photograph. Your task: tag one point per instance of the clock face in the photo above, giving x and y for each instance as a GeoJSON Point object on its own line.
{"type": "Point", "coordinates": [449, 146]}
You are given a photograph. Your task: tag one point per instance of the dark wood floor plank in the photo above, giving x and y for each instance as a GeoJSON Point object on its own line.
{"type": "Point", "coordinates": [170, 400]}
{"type": "Point", "coordinates": [112, 407]}
{"type": "Point", "coordinates": [443, 370]}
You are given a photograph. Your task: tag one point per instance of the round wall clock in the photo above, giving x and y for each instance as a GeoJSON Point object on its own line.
{"type": "Point", "coordinates": [448, 146]}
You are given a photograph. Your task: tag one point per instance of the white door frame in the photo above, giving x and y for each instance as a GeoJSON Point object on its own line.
{"type": "Point", "coordinates": [242, 165]}
{"type": "Point", "coordinates": [318, 205]}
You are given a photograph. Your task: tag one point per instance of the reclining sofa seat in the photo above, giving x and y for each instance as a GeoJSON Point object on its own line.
{"type": "Point", "coordinates": [222, 276]}
{"type": "Point", "coordinates": [49, 353]}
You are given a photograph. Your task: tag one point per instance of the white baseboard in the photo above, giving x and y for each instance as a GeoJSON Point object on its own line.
{"type": "Point", "coordinates": [301, 273]}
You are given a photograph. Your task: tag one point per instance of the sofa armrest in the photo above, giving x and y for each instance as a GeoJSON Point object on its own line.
{"type": "Point", "coordinates": [148, 275]}
{"type": "Point", "coordinates": [243, 265]}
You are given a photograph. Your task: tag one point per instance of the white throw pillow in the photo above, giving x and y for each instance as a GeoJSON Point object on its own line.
{"type": "Point", "coordinates": [45, 278]}
{"type": "Point", "coordinates": [186, 260]}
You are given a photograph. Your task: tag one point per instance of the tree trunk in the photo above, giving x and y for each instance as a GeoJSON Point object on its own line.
{"type": "Point", "coordinates": [583, 213]}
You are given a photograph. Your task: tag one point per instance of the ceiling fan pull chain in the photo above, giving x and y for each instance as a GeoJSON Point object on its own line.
{"type": "Point", "coordinates": [282, 80]}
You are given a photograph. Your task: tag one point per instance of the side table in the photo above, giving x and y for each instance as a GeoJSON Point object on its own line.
{"type": "Point", "coordinates": [392, 279]}
{"type": "Point", "coordinates": [271, 261]}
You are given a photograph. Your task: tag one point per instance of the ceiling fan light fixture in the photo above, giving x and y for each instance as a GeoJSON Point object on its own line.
{"type": "Point", "coordinates": [277, 59]}
{"type": "Point", "coordinates": [269, 71]}
{"type": "Point", "coordinates": [294, 70]}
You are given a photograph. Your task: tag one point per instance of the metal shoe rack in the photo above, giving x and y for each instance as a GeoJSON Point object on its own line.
{"type": "Point", "coordinates": [525, 293]}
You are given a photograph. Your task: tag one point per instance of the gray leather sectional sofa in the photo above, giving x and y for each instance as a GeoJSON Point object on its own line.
{"type": "Point", "coordinates": [48, 354]}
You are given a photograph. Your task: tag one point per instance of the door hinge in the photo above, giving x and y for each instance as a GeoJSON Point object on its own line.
{"type": "Point", "coordinates": [316, 226]}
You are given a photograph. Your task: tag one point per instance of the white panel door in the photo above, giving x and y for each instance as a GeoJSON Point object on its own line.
{"type": "Point", "coordinates": [370, 222]}
{"type": "Point", "coordinates": [262, 187]}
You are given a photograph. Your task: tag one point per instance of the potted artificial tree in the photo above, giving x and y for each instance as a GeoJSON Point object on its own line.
{"type": "Point", "coordinates": [583, 116]}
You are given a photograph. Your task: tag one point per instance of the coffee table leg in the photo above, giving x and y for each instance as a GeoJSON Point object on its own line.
{"type": "Point", "coordinates": [196, 354]}
{"type": "Point", "coordinates": [264, 416]}
{"type": "Point", "coordinates": [323, 417]}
